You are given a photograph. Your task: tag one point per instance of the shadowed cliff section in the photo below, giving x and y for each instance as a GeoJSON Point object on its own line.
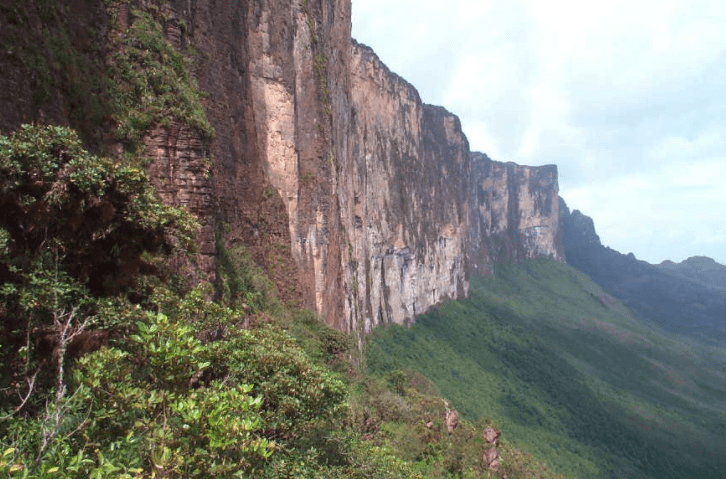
{"type": "Point", "coordinates": [677, 304]}
{"type": "Point", "coordinates": [51, 59]}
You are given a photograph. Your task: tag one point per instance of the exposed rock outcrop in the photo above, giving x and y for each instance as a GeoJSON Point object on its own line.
{"type": "Point", "coordinates": [492, 459]}
{"type": "Point", "coordinates": [451, 418]}
{"type": "Point", "coordinates": [179, 171]}
{"type": "Point", "coordinates": [361, 202]}
{"type": "Point", "coordinates": [404, 194]}
{"type": "Point", "coordinates": [425, 211]}
{"type": "Point", "coordinates": [491, 435]}
{"type": "Point", "coordinates": [51, 75]}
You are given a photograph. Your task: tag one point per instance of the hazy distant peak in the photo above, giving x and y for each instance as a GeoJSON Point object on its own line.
{"type": "Point", "coordinates": [698, 269]}
{"type": "Point", "coordinates": [694, 261]}
{"type": "Point", "coordinates": [701, 260]}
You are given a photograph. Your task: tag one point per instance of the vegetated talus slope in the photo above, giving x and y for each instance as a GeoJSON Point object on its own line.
{"type": "Point", "coordinates": [571, 375]}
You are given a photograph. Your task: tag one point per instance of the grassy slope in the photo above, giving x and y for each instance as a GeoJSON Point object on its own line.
{"type": "Point", "coordinates": [571, 375]}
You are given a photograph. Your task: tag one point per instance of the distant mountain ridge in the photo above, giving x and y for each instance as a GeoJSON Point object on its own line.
{"type": "Point", "coordinates": [699, 269]}
{"type": "Point", "coordinates": [686, 298]}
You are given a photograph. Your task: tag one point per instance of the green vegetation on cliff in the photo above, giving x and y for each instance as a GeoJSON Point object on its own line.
{"type": "Point", "coordinates": [122, 69]}
{"type": "Point", "coordinates": [114, 366]}
{"type": "Point", "coordinates": [151, 81]}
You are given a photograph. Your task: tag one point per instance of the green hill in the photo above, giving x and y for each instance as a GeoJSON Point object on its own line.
{"type": "Point", "coordinates": [570, 375]}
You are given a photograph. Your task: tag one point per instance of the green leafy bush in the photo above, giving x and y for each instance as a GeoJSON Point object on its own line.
{"type": "Point", "coordinates": [98, 210]}
{"type": "Point", "coordinates": [77, 231]}
{"type": "Point", "coordinates": [150, 410]}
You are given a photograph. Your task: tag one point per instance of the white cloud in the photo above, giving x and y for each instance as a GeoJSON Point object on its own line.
{"type": "Point", "coordinates": [671, 213]}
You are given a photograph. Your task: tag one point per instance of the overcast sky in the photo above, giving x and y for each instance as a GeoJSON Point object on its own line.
{"type": "Point", "coordinates": [628, 98]}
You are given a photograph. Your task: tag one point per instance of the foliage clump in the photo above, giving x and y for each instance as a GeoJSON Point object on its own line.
{"type": "Point", "coordinates": [152, 82]}
{"type": "Point", "coordinates": [98, 215]}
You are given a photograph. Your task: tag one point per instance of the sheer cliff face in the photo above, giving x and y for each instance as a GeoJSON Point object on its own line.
{"type": "Point", "coordinates": [404, 195]}
{"type": "Point", "coordinates": [516, 213]}
{"type": "Point", "coordinates": [360, 201]}
{"type": "Point", "coordinates": [276, 75]}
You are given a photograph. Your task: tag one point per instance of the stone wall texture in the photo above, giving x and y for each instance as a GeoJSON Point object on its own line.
{"type": "Point", "coordinates": [361, 202]}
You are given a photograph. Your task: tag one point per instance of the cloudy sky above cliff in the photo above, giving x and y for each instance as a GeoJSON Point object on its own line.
{"type": "Point", "coordinates": [627, 98]}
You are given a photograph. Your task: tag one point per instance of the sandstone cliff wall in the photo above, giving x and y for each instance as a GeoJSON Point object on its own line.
{"type": "Point", "coordinates": [359, 200]}
{"type": "Point", "coordinates": [404, 199]}
{"type": "Point", "coordinates": [516, 213]}
{"type": "Point", "coordinates": [276, 74]}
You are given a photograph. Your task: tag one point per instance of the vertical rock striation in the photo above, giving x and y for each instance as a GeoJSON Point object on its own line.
{"type": "Point", "coordinates": [361, 202]}
{"type": "Point", "coordinates": [516, 213]}
{"type": "Point", "coordinates": [404, 199]}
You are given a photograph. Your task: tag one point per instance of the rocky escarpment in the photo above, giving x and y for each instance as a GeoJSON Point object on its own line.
{"type": "Point", "coordinates": [425, 211]}
{"type": "Point", "coordinates": [516, 213]}
{"type": "Point", "coordinates": [359, 200]}
{"type": "Point", "coordinates": [404, 191]}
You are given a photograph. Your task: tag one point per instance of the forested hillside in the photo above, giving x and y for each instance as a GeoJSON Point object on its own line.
{"type": "Point", "coordinates": [571, 375]}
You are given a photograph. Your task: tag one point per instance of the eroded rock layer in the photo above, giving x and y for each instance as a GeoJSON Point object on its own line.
{"type": "Point", "coordinates": [405, 198]}
{"type": "Point", "coordinates": [359, 200]}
